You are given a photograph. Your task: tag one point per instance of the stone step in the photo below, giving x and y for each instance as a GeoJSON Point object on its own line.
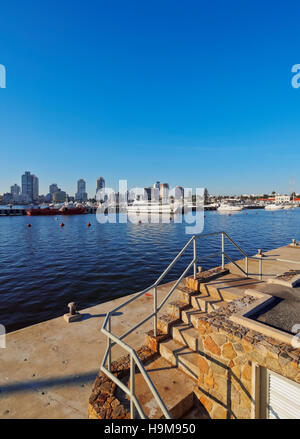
{"type": "Point", "coordinates": [165, 322]}
{"type": "Point", "coordinates": [174, 387]}
{"type": "Point", "coordinates": [229, 287]}
{"type": "Point", "coordinates": [185, 294]}
{"type": "Point", "coordinates": [207, 304]}
{"type": "Point", "coordinates": [187, 335]}
{"type": "Point", "coordinates": [175, 308]}
{"type": "Point", "coordinates": [180, 356]}
{"type": "Point", "coordinates": [191, 315]}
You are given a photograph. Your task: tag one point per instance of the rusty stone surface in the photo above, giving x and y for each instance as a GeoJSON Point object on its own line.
{"type": "Point", "coordinates": [165, 322]}
{"type": "Point", "coordinates": [103, 404]}
{"type": "Point", "coordinates": [205, 276]}
{"type": "Point", "coordinates": [153, 342]}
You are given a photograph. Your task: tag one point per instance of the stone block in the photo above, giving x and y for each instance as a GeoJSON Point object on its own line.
{"type": "Point", "coordinates": [203, 365]}
{"type": "Point", "coordinates": [211, 346]}
{"type": "Point", "coordinates": [228, 351]}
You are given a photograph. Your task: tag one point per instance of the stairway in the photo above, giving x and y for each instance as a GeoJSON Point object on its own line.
{"type": "Point", "coordinates": [180, 351]}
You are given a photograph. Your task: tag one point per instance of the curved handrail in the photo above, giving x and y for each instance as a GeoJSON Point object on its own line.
{"type": "Point", "coordinates": [113, 339]}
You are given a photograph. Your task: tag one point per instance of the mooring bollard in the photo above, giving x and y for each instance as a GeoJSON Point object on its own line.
{"type": "Point", "coordinates": [72, 308]}
{"type": "Point", "coordinates": [73, 315]}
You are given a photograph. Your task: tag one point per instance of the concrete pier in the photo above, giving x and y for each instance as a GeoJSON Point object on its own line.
{"type": "Point", "coordinates": [47, 370]}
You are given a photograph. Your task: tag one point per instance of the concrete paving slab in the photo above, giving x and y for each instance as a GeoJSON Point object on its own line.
{"type": "Point", "coordinates": [175, 389]}
{"type": "Point", "coordinates": [47, 370]}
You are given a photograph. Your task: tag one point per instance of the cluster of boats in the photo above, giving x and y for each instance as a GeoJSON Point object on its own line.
{"type": "Point", "coordinates": [151, 207]}
{"type": "Point", "coordinates": [229, 207]}
{"type": "Point", "coordinates": [57, 209]}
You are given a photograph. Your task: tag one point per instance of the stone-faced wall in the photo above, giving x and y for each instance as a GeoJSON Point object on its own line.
{"type": "Point", "coordinates": [225, 366]}
{"type": "Point", "coordinates": [103, 402]}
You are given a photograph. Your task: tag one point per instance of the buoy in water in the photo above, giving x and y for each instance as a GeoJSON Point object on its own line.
{"type": "Point", "coordinates": [140, 222]}
{"type": "Point", "coordinates": [61, 224]}
{"type": "Point", "coordinates": [89, 224]}
{"type": "Point", "coordinates": [28, 225]}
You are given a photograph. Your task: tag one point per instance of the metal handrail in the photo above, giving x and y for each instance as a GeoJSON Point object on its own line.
{"type": "Point", "coordinates": [134, 359]}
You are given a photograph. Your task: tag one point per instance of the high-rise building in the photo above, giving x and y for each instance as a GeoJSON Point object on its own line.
{"type": "Point", "coordinates": [179, 192]}
{"type": "Point", "coordinates": [53, 188]}
{"type": "Point", "coordinates": [15, 190]}
{"type": "Point", "coordinates": [156, 185]}
{"type": "Point", "coordinates": [164, 191]}
{"type": "Point", "coordinates": [81, 194]}
{"type": "Point", "coordinates": [100, 184]}
{"type": "Point", "coordinates": [35, 188]}
{"type": "Point", "coordinates": [147, 193]}
{"type": "Point", "coordinates": [30, 187]}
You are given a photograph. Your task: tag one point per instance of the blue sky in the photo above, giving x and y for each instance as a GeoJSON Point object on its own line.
{"type": "Point", "coordinates": [195, 93]}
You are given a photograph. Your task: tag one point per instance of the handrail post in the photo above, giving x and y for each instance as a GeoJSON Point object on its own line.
{"type": "Point", "coordinates": [246, 265]}
{"type": "Point", "coordinates": [132, 386]}
{"type": "Point", "coordinates": [109, 345]}
{"type": "Point", "coordinates": [155, 312]}
{"type": "Point", "coordinates": [223, 251]}
{"type": "Point", "coordinates": [195, 257]}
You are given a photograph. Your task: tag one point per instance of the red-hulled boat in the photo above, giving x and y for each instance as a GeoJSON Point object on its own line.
{"type": "Point", "coordinates": [52, 211]}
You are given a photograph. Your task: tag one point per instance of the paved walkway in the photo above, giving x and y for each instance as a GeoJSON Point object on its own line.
{"type": "Point", "coordinates": [47, 370]}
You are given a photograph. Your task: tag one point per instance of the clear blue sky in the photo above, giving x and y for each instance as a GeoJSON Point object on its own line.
{"type": "Point", "coordinates": [196, 93]}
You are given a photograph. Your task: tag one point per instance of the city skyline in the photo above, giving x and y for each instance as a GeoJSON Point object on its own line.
{"type": "Point", "coordinates": [127, 93]}
{"type": "Point", "coordinates": [28, 191]}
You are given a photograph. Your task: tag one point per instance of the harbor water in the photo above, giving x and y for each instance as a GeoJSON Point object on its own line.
{"type": "Point", "coordinates": [44, 267]}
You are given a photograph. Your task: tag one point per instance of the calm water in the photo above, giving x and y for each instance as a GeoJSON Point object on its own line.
{"type": "Point", "coordinates": [44, 267]}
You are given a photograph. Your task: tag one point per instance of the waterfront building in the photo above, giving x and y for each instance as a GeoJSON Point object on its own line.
{"type": "Point", "coordinates": [30, 187]}
{"type": "Point", "coordinates": [59, 196]}
{"type": "Point", "coordinates": [7, 198]}
{"type": "Point", "coordinates": [156, 185]}
{"type": "Point", "coordinates": [81, 194]}
{"type": "Point", "coordinates": [282, 199]}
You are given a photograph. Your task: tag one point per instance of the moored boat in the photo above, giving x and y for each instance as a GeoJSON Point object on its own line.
{"type": "Point", "coordinates": [53, 211]}
{"type": "Point", "coordinates": [228, 207]}
{"type": "Point", "coordinates": [274, 207]}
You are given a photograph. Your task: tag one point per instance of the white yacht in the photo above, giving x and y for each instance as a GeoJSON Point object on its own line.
{"type": "Point", "coordinates": [229, 207]}
{"type": "Point", "coordinates": [143, 206]}
{"type": "Point", "coordinates": [273, 207]}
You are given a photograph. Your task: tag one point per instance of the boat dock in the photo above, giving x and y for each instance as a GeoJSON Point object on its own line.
{"type": "Point", "coordinates": [12, 211]}
{"type": "Point", "coordinates": [48, 369]}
